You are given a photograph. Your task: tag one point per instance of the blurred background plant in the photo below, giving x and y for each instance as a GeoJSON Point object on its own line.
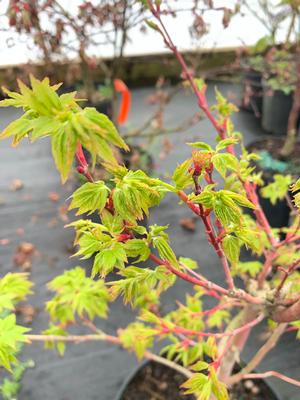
{"type": "Point", "coordinates": [271, 77]}
{"type": "Point", "coordinates": [10, 386]}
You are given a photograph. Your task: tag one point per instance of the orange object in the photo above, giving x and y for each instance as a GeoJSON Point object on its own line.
{"type": "Point", "coordinates": [125, 105]}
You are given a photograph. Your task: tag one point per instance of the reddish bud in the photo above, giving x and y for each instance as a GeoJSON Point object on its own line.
{"type": "Point", "coordinates": [80, 169]}
{"type": "Point", "coordinates": [124, 237]}
{"type": "Point", "coordinates": [202, 161]}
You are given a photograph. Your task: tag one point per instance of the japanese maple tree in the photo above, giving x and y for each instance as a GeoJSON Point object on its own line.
{"type": "Point", "coordinates": [218, 184]}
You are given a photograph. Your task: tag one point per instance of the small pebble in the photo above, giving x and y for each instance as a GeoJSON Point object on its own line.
{"type": "Point", "coordinates": [53, 196]}
{"type": "Point", "coordinates": [248, 384]}
{"type": "Point", "coordinates": [255, 390]}
{"type": "Point", "coordinates": [20, 231]}
{"type": "Point", "coordinates": [16, 184]}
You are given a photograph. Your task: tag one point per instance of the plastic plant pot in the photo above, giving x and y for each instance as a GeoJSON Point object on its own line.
{"type": "Point", "coordinates": [267, 391]}
{"type": "Point", "coordinates": [276, 110]}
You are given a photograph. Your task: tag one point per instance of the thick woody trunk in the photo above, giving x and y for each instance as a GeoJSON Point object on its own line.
{"type": "Point", "coordinates": [288, 314]}
{"type": "Point", "coordinates": [232, 355]}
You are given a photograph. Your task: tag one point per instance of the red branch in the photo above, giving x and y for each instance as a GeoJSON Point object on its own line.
{"type": "Point", "coordinates": [212, 293]}
{"type": "Point", "coordinates": [267, 267]}
{"type": "Point", "coordinates": [200, 94]}
{"type": "Point", "coordinates": [216, 308]}
{"type": "Point", "coordinates": [269, 374]}
{"type": "Point", "coordinates": [190, 332]}
{"type": "Point", "coordinates": [286, 274]}
{"type": "Point", "coordinates": [211, 236]}
{"type": "Point", "coordinates": [186, 277]}
{"type": "Point", "coordinates": [288, 241]}
{"type": "Point", "coordinates": [235, 293]}
{"type": "Point", "coordinates": [295, 229]}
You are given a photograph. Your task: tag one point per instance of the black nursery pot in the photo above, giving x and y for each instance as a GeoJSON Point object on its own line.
{"type": "Point", "coordinates": [276, 110]}
{"type": "Point", "coordinates": [253, 92]}
{"type": "Point", "coordinates": [277, 214]}
{"type": "Point", "coordinates": [153, 381]}
{"type": "Point", "coordinates": [66, 89]}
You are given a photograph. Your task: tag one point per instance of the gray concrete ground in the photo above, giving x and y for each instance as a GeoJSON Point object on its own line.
{"type": "Point", "coordinates": [96, 370]}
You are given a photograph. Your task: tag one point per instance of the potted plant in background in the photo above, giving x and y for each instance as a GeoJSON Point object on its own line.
{"type": "Point", "coordinates": [256, 65]}
{"type": "Point", "coordinates": [202, 345]}
{"type": "Point", "coordinates": [279, 86]}
{"type": "Point", "coordinates": [252, 85]}
{"type": "Point", "coordinates": [280, 112]}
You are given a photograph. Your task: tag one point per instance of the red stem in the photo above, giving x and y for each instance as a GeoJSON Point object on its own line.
{"type": "Point", "coordinates": [211, 237]}
{"type": "Point", "coordinates": [209, 292]}
{"type": "Point", "coordinates": [275, 374]}
{"type": "Point", "coordinates": [292, 234]}
{"type": "Point", "coordinates": [186, 277]}
{"type": "Point", "coordinates": [235, 293]}
{"type": "Point", "coordinates": [288, 241]}
{"type": "Point", "coordinates": [215, 309]}
{"type": "Point", "coordinates": [266, 268]}
{"type": "Point", "coordinates": [202, 102]}
{"type": "Point", "coordinates": [286, 274]}
{"type": "Point", "coordinates": [227, 347]}
{"type": "Point", "coordinates": [191, 332]}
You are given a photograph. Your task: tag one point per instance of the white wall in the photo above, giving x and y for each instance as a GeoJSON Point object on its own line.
{"type": "Point", "coordinates": [244, 29]}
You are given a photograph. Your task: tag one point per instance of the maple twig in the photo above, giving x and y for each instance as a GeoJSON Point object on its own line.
{"type": "Point", "coordinates": [288, 241]}
{"type": "Point", "coordinates": [211, 237]}
{"type": "Point", "coordinates": [218, 307]}
{"type": "Point", "coordinates": [111, 339]}
{"type": "Point", "coordinates": [260, 355]}
{"type": "Point", "coordinates": [217, 335]}
{"type": "Point", "coordinates": [267, 267]}
{"type": "Point", "coordinates": [188, 75]}
{"type": "Point", "coordinates": [235, 293]}
{"type": "Point", "coordinates": [269, 374]}
{"type": "Point", "coordinates": [286, 274]}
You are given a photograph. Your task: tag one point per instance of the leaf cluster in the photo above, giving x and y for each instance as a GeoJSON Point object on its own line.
{"type": "Point", "coordinates": [278, 189]}
{"type": "Point", "coordinates": [203, 386]}
{"type": "Point", "coordinates": [14, 287]}
{"type": "Point", "coordinates": [137, 337]}
{"type": "Point", "coordinates": [135, 193]}
{"type": "Point", "coordinates": [76, 294]}
{"type": "Point", "coordinates": [60, 117]}
{"type": "Point", "coordinates": [11, 337]}
{"type": "Point", "coordinates": [138, 282]}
